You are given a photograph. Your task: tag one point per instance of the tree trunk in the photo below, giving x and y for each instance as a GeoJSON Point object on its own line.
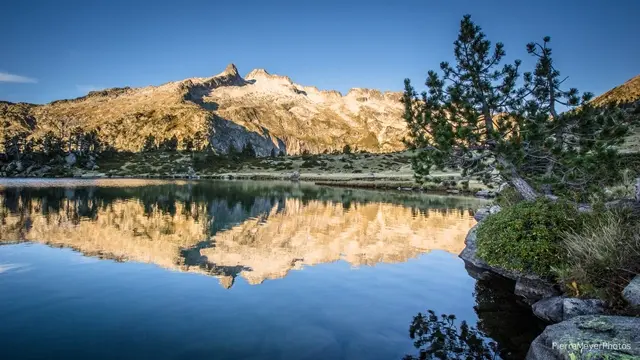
{"type": "Point", "coordinates": [520, 184]}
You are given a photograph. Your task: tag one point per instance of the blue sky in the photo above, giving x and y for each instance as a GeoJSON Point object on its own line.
{"type": "Point", "coordinates": [63, 49]}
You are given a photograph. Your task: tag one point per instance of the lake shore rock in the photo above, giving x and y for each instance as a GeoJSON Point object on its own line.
{"type": "Point", "coordinates": [556, 309]}
{"type": "Point", "coordinates": [589, 337]}
{"type": "Point", "coordinates": [631, 292]}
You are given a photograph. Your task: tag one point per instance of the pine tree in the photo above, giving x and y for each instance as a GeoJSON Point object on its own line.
{"type": "Point", "coordinates": [187, 144]}
{"type": "Point", "coordinates": [149, 143]}
{"type": "Point", "coordinates": [248, 150]}
{"type": "Point", "coordinates": [476, 118]}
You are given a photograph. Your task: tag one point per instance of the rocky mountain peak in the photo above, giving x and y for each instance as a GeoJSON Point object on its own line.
{"type": "Point", "coordinates": [257, 73]}
{"type": "Point", "coordinates": [231, 70]}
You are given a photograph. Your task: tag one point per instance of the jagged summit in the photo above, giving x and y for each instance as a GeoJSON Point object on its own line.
{"type": "Point", "coordinates": [256, 73]}
{"type": "Point", "coordinates": [231, 70]}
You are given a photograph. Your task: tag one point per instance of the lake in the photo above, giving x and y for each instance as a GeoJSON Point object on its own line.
{"type": "Point", "coordinates": [136, 269]}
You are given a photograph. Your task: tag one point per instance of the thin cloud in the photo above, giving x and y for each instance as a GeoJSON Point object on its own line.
{"type": "Point", "coordinates": [13, 78]}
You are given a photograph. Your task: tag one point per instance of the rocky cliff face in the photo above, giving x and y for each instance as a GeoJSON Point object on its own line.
{"type": "Point", "coordinates": [269, 111]}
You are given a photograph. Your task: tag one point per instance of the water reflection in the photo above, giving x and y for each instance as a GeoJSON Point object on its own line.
{"type": "Point", "coordinates": [505, 327]}
{"type": "Point", "coordinates": [254, 230]}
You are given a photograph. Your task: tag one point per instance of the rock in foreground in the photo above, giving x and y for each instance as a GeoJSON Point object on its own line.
{"type": "Point", "coordinates": [589, 337]}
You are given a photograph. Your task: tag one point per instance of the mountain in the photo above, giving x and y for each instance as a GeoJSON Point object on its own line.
{"type": "Point", "coordinates": [625, 94]}
{"type": "Point", "coordinates": [269, 111]}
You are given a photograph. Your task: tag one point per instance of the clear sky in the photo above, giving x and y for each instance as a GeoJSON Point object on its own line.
{"type": "Point", "coordinates": [63, 49]}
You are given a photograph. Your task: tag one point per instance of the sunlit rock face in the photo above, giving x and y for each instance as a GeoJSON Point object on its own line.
{"type": "Point", "coordinates": [319, 232]}
{"type": "Point", "coordinates": [256, 237]}
{"type": "Point", "coordinates": [268, 111]}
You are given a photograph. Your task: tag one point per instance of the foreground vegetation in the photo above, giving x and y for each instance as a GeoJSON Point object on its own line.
{"type": "Point", "coordinates": [572, 213]}
{"type": "Point", "coordinates": [588, 254]}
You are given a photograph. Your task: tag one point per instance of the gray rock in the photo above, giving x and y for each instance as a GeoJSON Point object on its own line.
{"type": "Point", "coordinates": [555, 309]}
{"type": "Point", "coordinates": [70, 159]}
{"type": "Point", "coordinates": [502, 187]}
{"type": "Point", "coordinates": [573, 307]}
{"type": "Point", "coordinates": [588, 337]}
{"type": "Point", "coordinates": [494, 209]}
{"type": "Point", "coordinates": [485, 194]}
{"type": "Point", "coordinates": [453, 191]}
{"type": "Point", "coordinates": [295, 176]}
{"type": "Point", "coordinates": [549, 309]}
{"type": "Point", "coordinates": [631, 292]}
{"type": "Point", "coordinates": [481, 214]}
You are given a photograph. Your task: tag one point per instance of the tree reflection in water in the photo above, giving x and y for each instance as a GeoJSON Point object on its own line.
{"type": "Point", "coordinates": [438, 337]}
{"type": "Point", "coordinates": [505, 328]}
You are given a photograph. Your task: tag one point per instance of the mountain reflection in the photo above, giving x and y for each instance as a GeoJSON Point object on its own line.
{"type": "Point", "coordinates": [254, 230]}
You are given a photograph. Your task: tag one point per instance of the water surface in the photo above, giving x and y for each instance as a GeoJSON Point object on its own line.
{"type": "Point", "coordinates": [233, 270]}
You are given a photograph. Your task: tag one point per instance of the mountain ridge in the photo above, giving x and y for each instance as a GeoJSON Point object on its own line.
{"type": "Point", "coordinates": [268, 111]}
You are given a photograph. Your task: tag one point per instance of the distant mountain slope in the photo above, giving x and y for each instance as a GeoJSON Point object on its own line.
{"type": "Point", "coordinates": [625, 94]}
{"type": "Point", "coordinates": [269, 111]}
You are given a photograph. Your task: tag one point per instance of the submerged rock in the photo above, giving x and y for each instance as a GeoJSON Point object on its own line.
{"type": "Point", "coordinates": [589, 337]}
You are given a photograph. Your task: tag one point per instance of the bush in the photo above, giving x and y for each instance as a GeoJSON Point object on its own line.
{"type": "Point", "coordinates": [527, 236]}
{"type": "Point", "coordinates": [603, 257]}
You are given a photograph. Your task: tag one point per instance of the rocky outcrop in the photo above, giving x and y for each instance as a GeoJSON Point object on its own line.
{"type": "Point", "coordinates": [631, 292]}
{"type": "Point", "coordinates": [589, 337]}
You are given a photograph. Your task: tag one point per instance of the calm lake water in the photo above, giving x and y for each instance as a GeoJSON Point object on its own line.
{"type": "Point", "coordinates": [136, 269]}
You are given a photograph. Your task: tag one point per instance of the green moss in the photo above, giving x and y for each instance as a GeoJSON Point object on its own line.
{"type": "Point", "coordinates": [527, 236]}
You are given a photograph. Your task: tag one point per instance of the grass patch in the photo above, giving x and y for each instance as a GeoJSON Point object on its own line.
{"type": "Point", "coordinates": [603, 257]}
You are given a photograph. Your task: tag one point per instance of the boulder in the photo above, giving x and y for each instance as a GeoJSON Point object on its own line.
{"type": "Point", "coordinates": [494, 209]}
{"type": "Point", "coordinates": [549, 309]}
{"type": "Point", "coordinates": [555, 309]}
{"type": "Point", "coordinates": [295, 176]}
{"type": "Point", "coordinates": [70, 159]}
{"type": "Point", "coordinates": [481, 214]}
{"type": "Point", "coordinates": [631, 292]}
{"type": "Point", "coordinates": [485, 193]}
{"type": "Point", "coordinates": [573, 307]}
{"type": "Point", "coordinates": [588, 337]}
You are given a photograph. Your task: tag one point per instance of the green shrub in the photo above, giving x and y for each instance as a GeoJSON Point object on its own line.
{"type": "Point", "coordinates": [527, 236]}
